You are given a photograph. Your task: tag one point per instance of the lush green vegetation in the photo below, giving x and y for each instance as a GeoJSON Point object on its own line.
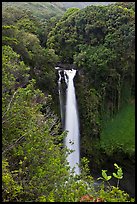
{"type": "Point", "coordinates": [41, 10]}
{"type": "Point", "coordinates": [121, 127]}
{"type": "Point", "coordinates": [99, 40]}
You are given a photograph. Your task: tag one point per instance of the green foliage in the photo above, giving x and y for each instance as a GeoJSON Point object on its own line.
{"type": "Point", "coordinates": [89, 103]}
{"type": "Point", "coordinates": [107, 178]}
{"type": "Point", "coordinates": [27, 25]}
{"type": "Point", "coordinates": [14, 75]}
{"type": "Point", "coordinates": [102, 46]}
{"type": "Point", "coordinates": [40, 10]}
{"type": "Point", "coordinates": [120, 128]}
{"type": "Point", "coordinates": [29, 145]}
{"type": "Point", "coordinates": [22, 32]}
{"type": "Point", "coordinates": [11, 189]}
{"type": "Point", "coordinates": [112, 193]}
{"type": "Point", "coordinates": [115, 195]}
{"type": "Point", "coordinates": [28, 135]}
{"type": "Point", "coordinates": [69, 12]}
{"type": "Point", "coordinates": [119, 174]}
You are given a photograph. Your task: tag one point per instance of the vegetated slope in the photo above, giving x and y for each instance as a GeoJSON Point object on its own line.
{"type": "Point", "coordinates": [49, 9]}
{"type": "Point", "coordinates": [120, 128]}
{"type": "Point", "coordinates": [82, 4]}
{"type": "Point", "coordinates": [40, 10]}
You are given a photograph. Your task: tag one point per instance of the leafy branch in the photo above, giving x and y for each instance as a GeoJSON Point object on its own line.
{"type": "Point", "coordinates": [118, 175]}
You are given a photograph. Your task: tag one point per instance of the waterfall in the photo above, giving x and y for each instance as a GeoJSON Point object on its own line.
{"type": "Point", "coordinates": [71, 122]}
{"type": "Point", "coordinates": [60, 98]}
{"type": "Point", "coordinates": [70, 116]}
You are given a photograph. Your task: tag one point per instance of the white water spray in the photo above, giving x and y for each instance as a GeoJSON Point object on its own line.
{"type": "Point", "coordinates": [71, 122]}
{"type": "Point", "coordinates": [60, 97]}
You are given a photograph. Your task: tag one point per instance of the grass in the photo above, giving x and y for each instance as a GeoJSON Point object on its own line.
{"type": "Point", "coordinates": [119, 132]}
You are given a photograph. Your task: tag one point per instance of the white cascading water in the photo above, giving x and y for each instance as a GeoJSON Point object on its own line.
{"type": "Point", "coordinates": [71, 122]}
{"type": "Point", "coordinates": [71, 119]}
{"type": "Point", "coordinates": [60, 97]}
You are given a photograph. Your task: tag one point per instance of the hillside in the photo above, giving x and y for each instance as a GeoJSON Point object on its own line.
{"type": "Point", "coordinates": [81, 4]}
{"type": "Point", "coordinates": [46, 10]}
{"type": "Point", "coordinates": [40, 10]}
